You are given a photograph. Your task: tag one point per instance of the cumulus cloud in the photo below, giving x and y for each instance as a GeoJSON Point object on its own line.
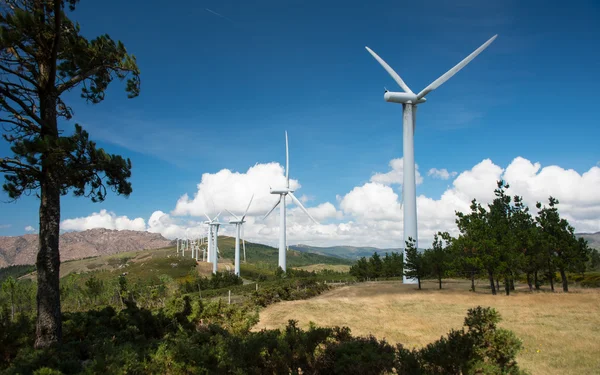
{"type": "Point", "coordinates": [232, 190]}
{"type": "Point", "coordinates": [396, 175]}
{"type": "Point", "coordinates": [442, 174]}
{"type": "Point", "coordinates": [103, 219]}
{"type": "Point", "coordinates": [367, 215]}
{"type": "Point", "coordinates": [5, 226]}
{"type": "Point", "coordinates": [29, 228]}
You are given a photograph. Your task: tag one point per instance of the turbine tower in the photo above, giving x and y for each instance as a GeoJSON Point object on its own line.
{"type": "Point", "coordinates": [213, 225]}
{"type": "Point", "coordinates": [282, 194]}
{"type": "Point", "coordinates": [238, 226]}
{"type": "Point", "coordinates": [409, 101]}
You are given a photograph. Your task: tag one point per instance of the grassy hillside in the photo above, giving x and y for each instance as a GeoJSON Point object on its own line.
{"type": "Point", "coordinates": [344, 252]}
{"type": "Point", "coordinates": [267, 256]}
{"type": "Point", "coordinates": [148, 265]}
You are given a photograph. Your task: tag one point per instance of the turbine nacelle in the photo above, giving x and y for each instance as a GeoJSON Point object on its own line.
{"type": "Point", "coordinates": [282, 191]}
{"type": "Point", "coordinates": [402, 97]}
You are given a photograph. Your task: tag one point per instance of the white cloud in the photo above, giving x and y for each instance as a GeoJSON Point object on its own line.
{"type": "Point", "coordinates": [5, 226]}
{"type": "Point", "coordinates": [442, 174]}
{"type": "Point", "coordinates": [29, 228]}
{"type": "Point", "coordinates": [367, 215]}
{"type": "Point", "coordinates": [232, 190]}
{"type": "Point", "coordinates": [396, 175]}
{"type": "Point", "coordinates": [372, 201]}
{"type": "Point", "coordinates": [103, 219]}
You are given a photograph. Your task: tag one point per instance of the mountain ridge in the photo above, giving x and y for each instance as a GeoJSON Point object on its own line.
{"type": "Point", "coordinates": [22, 250]}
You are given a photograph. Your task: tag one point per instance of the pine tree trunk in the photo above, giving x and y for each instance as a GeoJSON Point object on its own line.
{"type": "Point", "coordinates": [507, 286]}
{"type": "Point", "coordinates": [497, 284]}
{"type": "Point", "coordinates": [565, 282]}
{"type": "Point", "coordinates": [529, 281]}
{"type": "Point", "coordinates": [419, 281]}
{"type": "Point", "coordinates": [551, 276]}
{"type": "Point", "coordinates": [440, 280]}
{"type": "Point", "coordinates": [536, 281]}
{"type": "Point", "coordinates": [512, 283]}
{"type": "Point", "coordinates": [472, 281]}
{"type": "Point", "coordinates": [491, 275]}
{"type": "Point", "coordinates": [48, 325]}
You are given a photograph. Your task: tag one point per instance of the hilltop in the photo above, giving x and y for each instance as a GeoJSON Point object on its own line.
{"type": "Point", "coordinates": [76, 245]}
{"type": "Point", "coordinates": [344, 252]}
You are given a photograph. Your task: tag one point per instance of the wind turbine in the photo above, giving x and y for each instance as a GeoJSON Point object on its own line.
{"type": "Point", "coordinates": [213, 239]}
{"type": "Point", "coordinates": [409, 101]}
{"type": "Point", "coordinates": [282, 194]}
{"type": "Point", "coordinates": [238, 226]}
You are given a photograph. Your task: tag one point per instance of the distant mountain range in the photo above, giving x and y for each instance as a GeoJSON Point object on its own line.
{"type": "Point", "coordinates": [593, 239]}
{"type": "Point", "coordinates": [77, 245]}
{"type": "Point", "coordinates": [344, 252]}
{"type": "Point", "coordinates": [98, 242]}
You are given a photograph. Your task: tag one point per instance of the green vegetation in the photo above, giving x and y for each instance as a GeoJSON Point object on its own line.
{"type": "Point", "coordinates": [191, 335]}
{"type": "Point", "coordinates": [267, 256]}
{"type": "Point", "coordinates": [391, 266]}
{"type": "Point", "coordinates": [15, 271]}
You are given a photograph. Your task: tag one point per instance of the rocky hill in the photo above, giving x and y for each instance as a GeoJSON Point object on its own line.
{"type": "Point", "coordinates": [76, 245]}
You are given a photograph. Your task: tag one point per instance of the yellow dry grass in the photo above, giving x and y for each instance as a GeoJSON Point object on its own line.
{"type": "Point", "coordinates": [321, 267]}
{"type": "Point", "coordinates": [560, 331]}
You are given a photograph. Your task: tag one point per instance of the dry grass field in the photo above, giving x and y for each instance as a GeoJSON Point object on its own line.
{"type": "Point", "coordinates": [560, 331]}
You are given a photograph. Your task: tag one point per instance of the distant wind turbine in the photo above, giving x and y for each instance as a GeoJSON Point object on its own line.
{"type": "Point", "coordinates": [282, 194]}
{"type": "Point", "coordinates": [213, 239]}
{"type": "Point", "coordinates": [238, 227]}
{"type": "Point", "coordinates": [409, 101]}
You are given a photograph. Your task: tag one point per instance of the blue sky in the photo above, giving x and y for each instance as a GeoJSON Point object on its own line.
{"type": "Point", "coordinates": [219, 91]}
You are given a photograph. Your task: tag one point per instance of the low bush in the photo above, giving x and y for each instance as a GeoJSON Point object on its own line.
{"type": "Point", "coordinates": [191, 336]}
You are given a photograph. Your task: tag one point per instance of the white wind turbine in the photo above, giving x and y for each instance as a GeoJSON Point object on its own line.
{"type": "Point", "coordinates": [282, 193]}
{"type": "Point", "coordinates": [409, 101]}
{"type": "Point", "coordinates": [213, 225]}
{"type": "Point", "coordinates": [238, 227]}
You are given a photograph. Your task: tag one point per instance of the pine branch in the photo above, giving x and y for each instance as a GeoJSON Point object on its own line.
{"type": "Point", "coordinates": [17, 166]}
{"type": "Point", "coordinates": [22, 76]}
{"type": "Point", "coordinates": [24, 106]}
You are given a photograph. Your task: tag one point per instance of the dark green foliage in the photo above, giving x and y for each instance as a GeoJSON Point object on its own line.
{"type": "Point", "coordinates": [376, 267]}
{"type": "Point", "coordinates": [415, 266]}
{"type": "Point", "coordinates": [438, 259]}
{"type": "Point", "coordinates": [193, 336]}
{"type": "Point", "coordinates": [288, 290]}
{"type": "Point", "coordinates": [481, 349]}
{"type": "Point", "coordinates": [15, 271]}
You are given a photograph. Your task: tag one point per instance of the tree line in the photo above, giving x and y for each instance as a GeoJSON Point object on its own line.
{"type": "Point", "coordinates": [502, 243]}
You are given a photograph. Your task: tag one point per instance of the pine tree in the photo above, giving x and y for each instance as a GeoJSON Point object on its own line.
{"type": "Point", "coordinates": [437, 258]}
{"type": "Point", "coordinates": [415, 266]}
{"type": "Point", "coordinates": [42, 57]}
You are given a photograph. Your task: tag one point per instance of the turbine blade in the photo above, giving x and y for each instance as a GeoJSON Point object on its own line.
{"type": "Point", "coordinates": [301, 206]}
{"type": "Point", "coordinates": [207, 217]}
{"type": "Point", "coordinates": [216, 217]}
{"type": "Point", "coordinates": [247, 208]}
{"type": "Point", "coordinates": [390, 71]}
{"type": "Point", "coordinates": [287, 161]}
{"type": "Point", "coordinates": [446, 76]}
{"type": "Point", "coordinates": [232, 214]}
{"type": "Point", "coordinates": [275, 206]}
